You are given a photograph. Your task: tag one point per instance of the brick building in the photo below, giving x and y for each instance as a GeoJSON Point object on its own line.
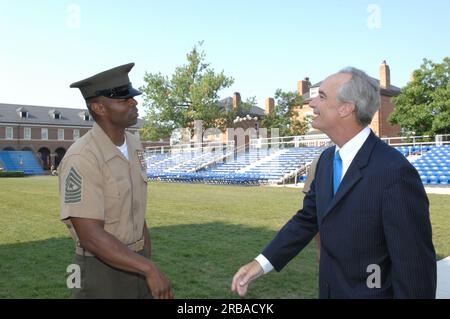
{"type": "Point", "coordinates": [46, 131]}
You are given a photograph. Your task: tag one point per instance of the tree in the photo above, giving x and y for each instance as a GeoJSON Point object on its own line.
{"type": "Point", "coordinates": [190, 94]}
{"type": "Point", "coordinates": [423, 106]}
{"type": "Point", "coordinates": [284, 116]}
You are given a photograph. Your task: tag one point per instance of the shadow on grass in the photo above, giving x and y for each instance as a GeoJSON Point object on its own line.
{"type": "Point", "coordinates": [199, 259]}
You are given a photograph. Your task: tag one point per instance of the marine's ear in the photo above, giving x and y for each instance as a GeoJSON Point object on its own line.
{"type": "Point", "coordinates": [97, 107]}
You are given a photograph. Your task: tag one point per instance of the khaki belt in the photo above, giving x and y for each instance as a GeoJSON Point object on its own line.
{"type": "Point", "coordinates": [137, 246]}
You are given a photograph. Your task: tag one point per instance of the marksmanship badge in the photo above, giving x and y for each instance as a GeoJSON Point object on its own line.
{"type": "Point", "coordinates": [142, 161]}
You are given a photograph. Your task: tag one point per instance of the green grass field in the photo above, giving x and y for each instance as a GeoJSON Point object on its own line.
{"type": "Point", "coordinates": [201, 235]}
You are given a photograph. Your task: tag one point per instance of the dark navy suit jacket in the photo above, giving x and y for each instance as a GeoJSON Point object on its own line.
{"type": "Point", "coordinates": [379, 216]}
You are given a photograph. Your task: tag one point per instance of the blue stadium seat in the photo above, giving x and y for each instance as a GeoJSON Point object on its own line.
{"type": "Point", "coordinates": [444, 179]}
{"type": "Point", "coordinates": [433, 180]}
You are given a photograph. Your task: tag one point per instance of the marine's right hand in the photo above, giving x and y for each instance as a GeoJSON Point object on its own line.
{"type": "Point", "coordinates": [245, 276]}
{"type": "Point", "coordinates": [159, 284]}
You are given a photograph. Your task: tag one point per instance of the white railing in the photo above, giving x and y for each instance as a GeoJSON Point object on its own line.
{"type": "Point", "coordinates": [319, 140]}
{"type": "Point", "coordinates": [193, 147]}
{"type": "Point", "coordinates": [291, 141]}
{"type": "Point", "coordinates": [439, 139]}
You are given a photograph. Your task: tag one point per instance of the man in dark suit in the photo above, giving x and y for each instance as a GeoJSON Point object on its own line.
{"type": "Point", "coordinates": [366, 200]}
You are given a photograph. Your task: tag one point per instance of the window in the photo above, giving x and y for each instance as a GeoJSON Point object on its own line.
{"type": "Point", "coordinates": [85, 116]}
{"type": "Point", "coordinates": [60, 134]}
{"type": "Point", "coordinates": [24, 114]}
{"type": "Point", "coordinates": [76, 134]}
{"type": "Point", "coordinates": [55, 114]}
{"type": "Point", "coordinates": [9, 133]}
{"type": "Point", "coordinates": [44, 133]}
{"type": "Point", "coordinates": [27, 133]}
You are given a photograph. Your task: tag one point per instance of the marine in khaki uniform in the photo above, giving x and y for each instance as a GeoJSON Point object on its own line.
{"type": "Point", "coordinates": [103, 194]}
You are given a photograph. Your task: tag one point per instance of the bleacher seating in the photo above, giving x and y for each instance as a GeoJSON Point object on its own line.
{"type": "Point", "coordinates": [24, 161]}
{"type": "Point", "coordinates": [434, 165]}
{"type": "Point", "coordinates": [253, 167]}
{"type": "Point", "coordinates": [268, 166]}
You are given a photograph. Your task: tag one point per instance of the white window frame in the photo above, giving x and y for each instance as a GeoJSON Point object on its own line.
{"type": "Point", "coordinates": [77, 135]}
{"type": "Point", "coordinates": [44, 136]}
{"type": "Point", "coordinates": [9, 133]}
{"type": "Point", "coordinates": [60, 134]}
{"type": "Point", "coordinates": [27, 133]}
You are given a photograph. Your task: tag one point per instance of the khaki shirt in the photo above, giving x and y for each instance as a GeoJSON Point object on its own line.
{"type": "Point", "coordinates": [96, 181]}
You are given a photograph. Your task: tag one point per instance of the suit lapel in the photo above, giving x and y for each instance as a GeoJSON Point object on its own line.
{"type": "Point", "coordinates": [353, 174]}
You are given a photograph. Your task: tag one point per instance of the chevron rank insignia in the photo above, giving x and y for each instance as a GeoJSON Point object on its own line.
{"type": "Point", "coordinates": [73, 187]}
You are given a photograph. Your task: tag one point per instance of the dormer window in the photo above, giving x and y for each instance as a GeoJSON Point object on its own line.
{"type": "Point", "coordinates": [85, 116]}
{"type": "Point", "coordinates": [55, 114]}
{"type": "Point", "coordinates": [22, 112]}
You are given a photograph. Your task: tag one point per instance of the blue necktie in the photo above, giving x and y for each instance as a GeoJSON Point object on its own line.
{"type": "Point", "coordinates": [337, 171]}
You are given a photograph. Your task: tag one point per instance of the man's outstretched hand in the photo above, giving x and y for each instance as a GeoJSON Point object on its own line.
{"type": "Point", "coordinates": [245, 276]}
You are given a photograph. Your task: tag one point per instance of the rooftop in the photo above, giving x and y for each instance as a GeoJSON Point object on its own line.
{"type": "Point", "coordinates": [44, 115]}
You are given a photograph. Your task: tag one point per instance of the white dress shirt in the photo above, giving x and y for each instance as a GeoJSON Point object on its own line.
{"type": "Point", "coordinates": [347, 153]}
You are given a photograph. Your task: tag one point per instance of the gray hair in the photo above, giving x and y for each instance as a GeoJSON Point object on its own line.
{"type": "Point", "coordinates": [363, 91]}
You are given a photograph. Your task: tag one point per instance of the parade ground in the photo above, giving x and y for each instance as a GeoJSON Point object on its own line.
{"type": "Point", "coordinates": [201, 235]}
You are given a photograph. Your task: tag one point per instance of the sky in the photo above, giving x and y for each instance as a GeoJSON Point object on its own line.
{"type": "Point", "coordinates": [46, 45]}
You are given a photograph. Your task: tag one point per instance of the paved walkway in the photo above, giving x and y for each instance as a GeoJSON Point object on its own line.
{"type": "Point", "coordinates": [428, 189]}
{"type": "Point", "coordinates": [443, 279]}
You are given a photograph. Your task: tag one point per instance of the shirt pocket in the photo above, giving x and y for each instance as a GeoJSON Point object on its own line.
{"type": "Point", "coordinates": [113, 200]}
{"type": "Point", "coordinates": [111, 189]}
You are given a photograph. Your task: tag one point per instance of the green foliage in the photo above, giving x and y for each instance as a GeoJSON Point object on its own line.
{"type": "Point", "coordinates": [423, 105]}
{"type": "Point", "coordinates": [284, 115]}
{"type": "Point", "coordinates": [190, 94]}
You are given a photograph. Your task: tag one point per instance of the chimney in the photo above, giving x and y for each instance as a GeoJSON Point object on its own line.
{"type": "Point", "coordinates": [303, 86]}
{"type": "Point", "coordinates": [385, 75]}
{"type": "Point", "coordinates": [236, 100]}
{"type": "Point", "coordinates": [270, 105]}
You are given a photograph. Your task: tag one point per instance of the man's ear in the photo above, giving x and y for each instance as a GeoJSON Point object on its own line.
{"type": "Point", "coordinates": [346, 109]}
{"type": "Point", "coordinates": [98, 107]}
